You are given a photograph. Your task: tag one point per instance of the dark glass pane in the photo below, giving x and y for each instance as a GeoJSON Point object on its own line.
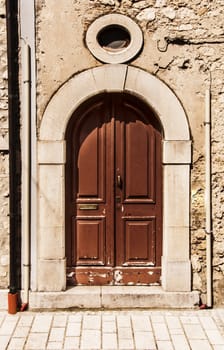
{"type": "Point", "coordinates": [114, 38]}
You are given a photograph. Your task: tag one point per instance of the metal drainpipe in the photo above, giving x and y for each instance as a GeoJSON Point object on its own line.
{"type": "Point", "coordinates": [14, 146]}
{"type": "Point", "coordinates": [26, 172]}
{"type": "Point", "coordinates": [208, 226]}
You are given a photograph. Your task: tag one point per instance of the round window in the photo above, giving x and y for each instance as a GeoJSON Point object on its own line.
{"type": "Point", "coordinates": [114, 38]}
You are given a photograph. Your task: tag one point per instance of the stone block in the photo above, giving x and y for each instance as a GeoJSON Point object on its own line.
{"type": "Point", "coordinates": [176, 275]}
{"type": "Point", "coordinates": [146, 297]}
{"type": "Point", "coordinates": [176, 152]}
{"type": "Point", "coordinates": [51, 275]}
{"type": "Point", "coordinates": [176, 195]}
{"type": "Point", "coordinates": [51, 152]}
{"type": "Point", "coordinates": [76, 297]}
{"type": "Point", "coordinates": [4, 165]}
{"type": "Point", "coordinates": [104, 78]}
{"type": "Point", "coordinates": [3, 299]}
{"type": "Point", "coordinates": [4, 141]}
{"type": "Point", "coordinates": [51, 195]}
{"type": "Point", "coordinates": [176, 243]}
{"type": "Point", "coordinates": [51, 243]}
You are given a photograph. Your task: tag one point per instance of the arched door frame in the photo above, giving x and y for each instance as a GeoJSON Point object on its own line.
{"type": "Point", "coordinates": [176, 267]}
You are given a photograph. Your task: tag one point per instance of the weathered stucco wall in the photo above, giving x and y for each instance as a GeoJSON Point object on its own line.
{"type": "Point", "coordinates": [184, 47]}
{"type": "Point", "coordinates": [4, 164]}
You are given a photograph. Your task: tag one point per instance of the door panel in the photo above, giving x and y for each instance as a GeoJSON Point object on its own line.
{"type": "Point", "coordinates": [89, 165]}
{"type": "Point", "coordinates": [90, 241]}
{"type": "Point", "coordinates": [91, 158]}
{"type": "Point", "coordinates": [115, 206]}
{"type": "Point", "coordinates": [139, 153]}
{"type": "Point", "coordinates": [139, 236]}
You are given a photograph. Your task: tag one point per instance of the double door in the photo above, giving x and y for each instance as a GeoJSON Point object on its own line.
{"type": "Point", "coordinates": [114, 194]}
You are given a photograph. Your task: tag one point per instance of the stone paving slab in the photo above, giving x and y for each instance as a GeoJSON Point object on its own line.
{"type": "Point", "coordinates": [112, 330]}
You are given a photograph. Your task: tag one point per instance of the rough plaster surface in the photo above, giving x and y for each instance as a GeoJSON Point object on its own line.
{"type": "Point", "coordinates": [4, 164]}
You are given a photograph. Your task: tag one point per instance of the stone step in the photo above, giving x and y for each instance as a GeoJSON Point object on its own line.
{"type": "Point", "coordinates": [115, 297]}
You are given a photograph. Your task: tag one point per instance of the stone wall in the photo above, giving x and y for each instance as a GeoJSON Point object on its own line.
{"type": "Point", "coordinates": [184, 47]}
{"type": "Point", "coordinates": [4, 155]}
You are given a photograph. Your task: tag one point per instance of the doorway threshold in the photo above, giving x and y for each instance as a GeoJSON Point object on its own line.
{"type": "Point", "coordinates": [113, 297]}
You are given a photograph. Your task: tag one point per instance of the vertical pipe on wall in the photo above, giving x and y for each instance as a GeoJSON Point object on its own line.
{"type": "Point", "coordinates": [27, 34]}
{"type": "Point", "coordinates": [26, 170]}
{"type": "Point", "coordinates": [14, 142]}
{"type": "Point", "coordinates": [208, 227]}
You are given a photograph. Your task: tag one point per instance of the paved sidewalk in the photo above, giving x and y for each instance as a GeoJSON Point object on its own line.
{"type": "Point", "coordinates": [149, 330]}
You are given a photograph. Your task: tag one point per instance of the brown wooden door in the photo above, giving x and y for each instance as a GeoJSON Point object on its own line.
{"type": "Point", "coordinates": [114, 194]}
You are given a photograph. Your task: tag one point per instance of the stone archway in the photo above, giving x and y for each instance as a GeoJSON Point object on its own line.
{"type": "Point", "coordinates": [176, 160]}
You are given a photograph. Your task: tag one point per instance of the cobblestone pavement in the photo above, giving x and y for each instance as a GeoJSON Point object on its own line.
{"type": "Point", "coordinates": [149, 330]}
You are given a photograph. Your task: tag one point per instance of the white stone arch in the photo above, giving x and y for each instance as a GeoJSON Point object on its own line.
{"type": "Point", "coordinates": [176, 271]}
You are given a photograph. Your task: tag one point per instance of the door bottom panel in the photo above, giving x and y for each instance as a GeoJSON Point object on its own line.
{"type": "Point", "coordinates": [97, 276]}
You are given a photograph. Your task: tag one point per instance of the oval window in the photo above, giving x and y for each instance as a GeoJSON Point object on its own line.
{"type": "Point", "coordinates": [114, 38]}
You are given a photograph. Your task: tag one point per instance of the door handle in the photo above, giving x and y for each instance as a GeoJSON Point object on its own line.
{"type": "Point", "coordinates": [119, 181]}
